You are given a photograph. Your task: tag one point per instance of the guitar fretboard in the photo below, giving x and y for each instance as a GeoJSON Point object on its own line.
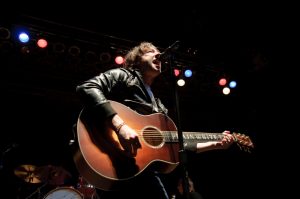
{"type": "Point", "coordinates": [172, 136]}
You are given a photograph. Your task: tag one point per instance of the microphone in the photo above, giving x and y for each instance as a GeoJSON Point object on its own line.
{"type": "Point", "coordinates": [166, 54]}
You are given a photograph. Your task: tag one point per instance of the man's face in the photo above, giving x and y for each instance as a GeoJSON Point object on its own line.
{"type": "Point", "coordinates": [150, 62]}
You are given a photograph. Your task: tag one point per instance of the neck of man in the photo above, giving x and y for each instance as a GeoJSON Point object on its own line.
{"type": "Point", "coordinates": [148, 77]}
{"type": "Point", "coordinates": [147, 80]}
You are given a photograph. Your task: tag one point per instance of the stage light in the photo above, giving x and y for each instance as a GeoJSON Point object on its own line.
{"type": "Point", "coordinates": [232, 84]}
{"type": "Point", "coordinates": [226, 91]}
{"type": "Point", "coordinates": [23, 37]}
{"type": "Point", "coordinates": [119, 60]}
{"type": "Point", "coordinates": [222, 82]}
{"type": "Point", "coordinates": [59, 48]}
{"type": "Point", "coordinates": [105, 57]}
{"type": "Point", "coordinates": [42, 43]}
{"type": "Point", "coordinates": [74, 51]}
{"type": "Point", "coordinates": [176, 72]}
{"type": "Point", "coordinates": [4, 33]}
{"type": "Point", "coordinates": [181, 82]}
{"type": "Point", "coordinates": [188, 73]}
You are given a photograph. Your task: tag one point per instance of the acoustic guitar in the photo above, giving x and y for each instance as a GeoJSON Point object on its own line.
{"type": "Point", "coordinates": [102, 161]}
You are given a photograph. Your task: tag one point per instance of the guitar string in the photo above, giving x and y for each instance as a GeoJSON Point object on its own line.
{"type": "Point", "coordinates": [207, 136]}
{"type": "Point", "coordinates": [152, 133]}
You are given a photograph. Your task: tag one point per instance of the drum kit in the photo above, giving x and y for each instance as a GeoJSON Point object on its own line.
{"type": "Point", "coordinates": [54, 176]}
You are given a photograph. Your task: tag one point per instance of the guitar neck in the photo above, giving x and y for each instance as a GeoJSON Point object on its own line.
{"type": "Point", "coordinates": [243, 141]}
{"type": "Point", "coordinates": [172, 136]}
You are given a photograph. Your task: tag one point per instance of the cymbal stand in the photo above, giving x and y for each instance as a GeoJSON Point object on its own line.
{"type": "Point", "coordinates": [37, 191]}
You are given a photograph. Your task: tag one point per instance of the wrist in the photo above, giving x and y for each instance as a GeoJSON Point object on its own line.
{"type": "Point", "coordinates": [204, 146]}
{"type": "Point", "coordinates": [118, 127]}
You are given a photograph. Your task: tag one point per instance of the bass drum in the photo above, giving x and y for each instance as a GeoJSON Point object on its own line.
{"type": "Point", "coordinates": [63, 193]}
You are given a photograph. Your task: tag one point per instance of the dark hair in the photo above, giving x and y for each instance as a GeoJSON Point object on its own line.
{"type": "Point", "coordinates": [132, 58]}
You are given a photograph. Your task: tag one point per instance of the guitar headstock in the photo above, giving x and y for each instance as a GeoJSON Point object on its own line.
{"type": "Point", "coordinates": [243, 141]}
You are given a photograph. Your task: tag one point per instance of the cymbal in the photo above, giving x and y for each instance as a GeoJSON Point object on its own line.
{"type": "Point", "coordinates": [27, 173]}
{"type": "Point", "coordinates": [54, 175]}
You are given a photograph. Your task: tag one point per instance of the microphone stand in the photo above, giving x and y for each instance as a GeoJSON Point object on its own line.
{"type": "Point", "coordinates": [7, 149]}
{"type": "Point", "coordinates": [182, 152]}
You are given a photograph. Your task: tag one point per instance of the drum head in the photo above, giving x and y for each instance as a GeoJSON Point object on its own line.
{"type": "Point", "coordinates": [63, 192]}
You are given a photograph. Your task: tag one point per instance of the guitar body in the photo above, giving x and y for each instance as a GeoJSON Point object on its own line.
{"type": "Point", "coordinates": [101, 159]}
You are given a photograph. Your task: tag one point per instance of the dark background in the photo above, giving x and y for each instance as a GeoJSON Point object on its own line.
{"type": "Point", "coordinates": [39, 104]}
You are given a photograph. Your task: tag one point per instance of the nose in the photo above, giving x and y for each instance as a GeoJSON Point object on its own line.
{"type": "Point", "coordinates": [157, 56]}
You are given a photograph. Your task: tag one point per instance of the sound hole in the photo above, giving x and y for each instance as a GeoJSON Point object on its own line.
{"type": "Point", "coordinates": [153, 137]}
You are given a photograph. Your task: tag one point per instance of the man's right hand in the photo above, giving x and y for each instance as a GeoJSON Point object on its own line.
{"type": "Point", "coordinates": [129, 139]}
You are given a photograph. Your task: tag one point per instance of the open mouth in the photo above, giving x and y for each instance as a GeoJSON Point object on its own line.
{"type": "Point", "coordinates": [157, 66]}
{"type": "Point", "coordinates": [156, 62]}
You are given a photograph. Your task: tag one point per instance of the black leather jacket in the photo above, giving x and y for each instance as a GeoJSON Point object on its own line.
{"type": "Point", "coordinates": [122, 85]}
